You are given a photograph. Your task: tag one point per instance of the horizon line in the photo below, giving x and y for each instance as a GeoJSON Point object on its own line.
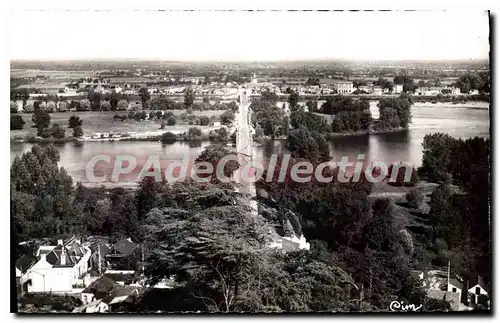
{"type": "Point", "coordinates": [246, 60]}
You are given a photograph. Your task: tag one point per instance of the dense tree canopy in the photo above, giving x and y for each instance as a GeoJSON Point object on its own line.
{"type": "Point", "coordinates": [394, 113]}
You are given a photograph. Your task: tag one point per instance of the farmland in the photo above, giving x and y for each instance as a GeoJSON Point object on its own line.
{"type": "Point", "coordinates": [103, 122]}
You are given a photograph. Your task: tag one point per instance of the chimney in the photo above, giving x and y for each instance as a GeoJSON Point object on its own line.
{"type": "Point", "coordinates": [43, 256]}
{"type": "Point", "coordinates": [63, 256]}
{"type": "Point", "coordinates": [59, 242]}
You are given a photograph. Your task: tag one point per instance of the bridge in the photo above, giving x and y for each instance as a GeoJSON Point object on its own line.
{"type": "Point", "coordinates": [244, 147]}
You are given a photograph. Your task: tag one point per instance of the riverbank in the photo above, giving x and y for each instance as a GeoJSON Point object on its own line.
{"type": "Point", "coordinates": [364, 132]}
{"type": "Point", "coordinates": [463, 105]}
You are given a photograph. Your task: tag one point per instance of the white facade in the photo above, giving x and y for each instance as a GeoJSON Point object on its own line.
{"type": "Point", "coordinates": [344, 87]}
{"type": "Point", "coordinates": [455, 289]}
{"type": "Point", "coordinates": [45, 277]}
{"type": "Point", "coordinates": [476, 291]}
{"type": "Point", "coordinates": [398, 88]}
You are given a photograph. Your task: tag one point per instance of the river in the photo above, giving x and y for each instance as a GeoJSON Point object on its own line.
{"type": "Point", "coordinates": [405, 146]}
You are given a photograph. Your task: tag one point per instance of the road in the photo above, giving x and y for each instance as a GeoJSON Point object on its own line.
{"type": "Point", "coordinates": [244, 147]}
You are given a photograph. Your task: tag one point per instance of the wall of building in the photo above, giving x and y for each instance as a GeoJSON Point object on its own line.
{"type": "Point", "coordinates": [50, 280]}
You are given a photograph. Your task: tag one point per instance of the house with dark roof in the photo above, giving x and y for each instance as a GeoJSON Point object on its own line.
{"type": "Point", "coordinates": [122, 294]}
{"type": "Point", "coordinates": [124, 254]}
{"type": "Point", "coordinates": [58, 268]}
{"type": "Point", "coordinates": [108, 296]}
{"type": "Point", "coordinates": [98, 289]}
{"type": "Point", "coordinates": [124, 247]}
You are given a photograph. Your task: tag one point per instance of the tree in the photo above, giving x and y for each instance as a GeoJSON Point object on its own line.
{"type": "Point", "coordinates": [194, 133]}
{"type": "Point", "coordinates": [77, 132]}
{"type": "Point", "coordinates": [57, 131]}
{"type": "Point", "coordinates": [269, 96]}
{"type": "Point", "coordinates": [62, 106]}
{"type": "Point", "coordinates": [84, 105]}
{"type": "Point", "coordinates": [105, 106]}
{"type": "Point", "coordinates": [16, 122]}
{"type": "Point", "coordinates": [309, 121]}
{"type": "Point", "coordinates": [122, 105]}
{"type": "Point", "coordinates": [213, 154]}
{"type": "Point", "coordinates": [114, 99]}
{"type": "Point", "coordinates": [415, 197]}
{"type": "Point", "coordinates": [171, 121]}
{"type": "Point", "coordinates": [306, 144]}
{"type": "Point", "coordinates": [147, 195]}
{"type": "Point", "coordinates": [208, 250]}
{"type": "Point", "coordinates": [41, 193]}
{"type": "Point", "coordinates": [227, 117]}
{"type": "Point", "coordinates": [204, 121]}
{"type": "Point", "coordinates": [145, 97]}
{"type": "Point", "coordinates": [437, 155]}
{"type": "Point", "coordinates": [13, 107]}
{"type": "Point", "coordinates": [189, 97]}
{"type": "Point", "coordinates": [312, 106]}
{"type": "Point", "coordinates": [95, 100]}
{"type": "Point", "coordinates": [219, 135]}
{"type": "Point", "coordinates": [394, 113]}
{"type": "Point", "coordinates": [293, 99]}
{"type": "Point", "coordinates": [168, 137]}
{"type": "Point", "coordinates": [40, 118]}
{"type": "Point", "coordinates": [74, 121]}
{"type": "Point", "coordinates": [269, 117]}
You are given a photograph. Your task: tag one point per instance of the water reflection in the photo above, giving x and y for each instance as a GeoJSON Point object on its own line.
{"type": "Point", "coordinates": [391, 147]}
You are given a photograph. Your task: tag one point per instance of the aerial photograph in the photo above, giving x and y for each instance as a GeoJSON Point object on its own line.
{"type": "Point", "coordinates": [250, 162]}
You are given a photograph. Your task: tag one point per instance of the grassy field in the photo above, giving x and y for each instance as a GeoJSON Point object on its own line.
{"type": "Point", "coordinates": [103, 122]}
{"type": "Point", "coordinates": [62, 75]}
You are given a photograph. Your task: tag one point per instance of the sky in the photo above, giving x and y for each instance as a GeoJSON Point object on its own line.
{"type": "Point", "coordinates": [254, 36]}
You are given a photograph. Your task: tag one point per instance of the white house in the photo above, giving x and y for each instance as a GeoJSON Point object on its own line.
{"type": "Point", "coordinates": [58, 268]}
{"type": "Point", "coordinates": [344, 87]}
{"type": "Point", "coordinates": [478, 287]}
{"type": "Point", "coordinates": [455, 286]}
{"type": "Point", "coordinates": [377, 90]}
{"type": "Point", "coordinates": [473, 92]}
{"type": "Point", "coordinates": [288, 243]}
{"type": "Point", "coordinates": [69, 90]}
{"type": "Point", "coordinates": [398, 88]}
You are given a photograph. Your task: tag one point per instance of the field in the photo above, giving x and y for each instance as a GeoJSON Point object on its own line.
{"type": "Point", "coordinates": [103, 122]}
{"type": "Point", "coordinates": [56, 79]}
{"type": "Point", "coordinates": [59, 75]}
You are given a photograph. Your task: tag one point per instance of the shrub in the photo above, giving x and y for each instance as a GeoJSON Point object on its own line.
{"type": "Point", "coordinates": [77, 132]}
{"type": "Point", "coordinates": [194, 133]}
{"type": "Point", "coordinates": [105, 106]}
{"type": "Point", "coordinates": [57, 131]}
{"type": "Point", "coordinates": [171, 121]}
{"type": "Point", "coordinates": [74, 121]}
{"type": "Point", "coordinates": [13, 107]}
{"type": "Point", "coordinates": [84, 105]}
{"type": "Point", "coordinates": [415, 197]}
{"type": "Point", "coordinates": [219, 135]}
{"type": "Point", "coordinates": [122, 105]}
{"type": "Point", "coordinates": [204, 121]}
{"type": "Point", "coordinates": [168, 137]}
{"type": "Point", "coordinates": [16, 122]}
